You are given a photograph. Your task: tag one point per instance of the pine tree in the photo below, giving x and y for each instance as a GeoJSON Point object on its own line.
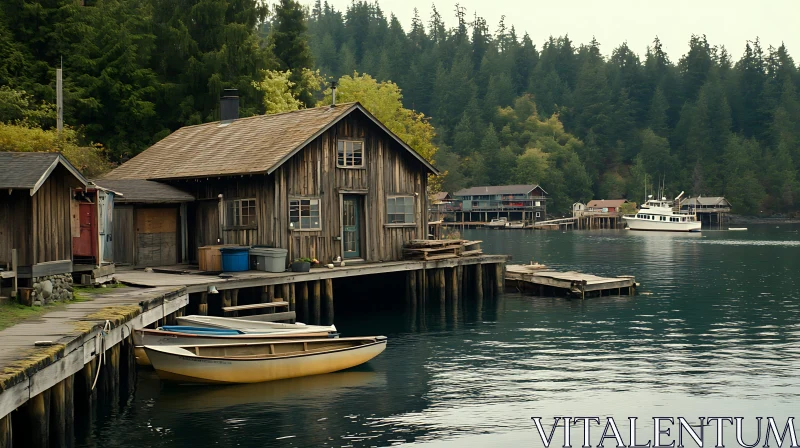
{"type": "Point", "coordinates": [657, 115]}
{"type": "Point", "coordinates": [289, 43]}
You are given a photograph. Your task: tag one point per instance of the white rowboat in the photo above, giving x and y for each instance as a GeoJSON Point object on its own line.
{"type": "Point", "coordinates": [251, 326]}
{"type": "Point", "coordinates": [267, 361]}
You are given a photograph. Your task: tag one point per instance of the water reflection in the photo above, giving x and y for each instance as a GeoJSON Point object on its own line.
{"type": "Point", "coordinates": [718, 334]}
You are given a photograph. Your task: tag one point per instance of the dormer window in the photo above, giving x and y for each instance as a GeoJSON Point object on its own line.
{"type": "Point", "coordinates": [350, 154]}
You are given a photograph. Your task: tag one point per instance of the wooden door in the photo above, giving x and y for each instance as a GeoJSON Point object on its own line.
{"type": "Point", "coordinates": [351, 226]}
{"type": "Point", "coordinates": [84, 247]}
{"type": "Point", "coordinates": [124, 232]}
{"type": "Point", "coordinates": [156, 237]}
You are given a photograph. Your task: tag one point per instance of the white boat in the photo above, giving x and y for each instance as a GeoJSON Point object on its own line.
{"type": "Point", "coordinates": [498, 223]}
{"type": "Point", "coordinates": [515, 225]}
{"type": "Point", "coordinates": [658, 215]}
{"type": "Point", "coordinates": [251, 326]}
{"type": "Point", "coordinates": [255, 363]}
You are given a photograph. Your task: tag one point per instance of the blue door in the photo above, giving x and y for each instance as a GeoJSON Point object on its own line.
{"type": "Point", "coordinates": [351, 226]}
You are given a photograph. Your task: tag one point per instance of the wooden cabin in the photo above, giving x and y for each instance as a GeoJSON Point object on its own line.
{"type": "Point", "coordinates": [37, 213]}
{"type": "Point", "coordinates": [149, 222]}
{"type": "Point", "coordinates": [323, 182]}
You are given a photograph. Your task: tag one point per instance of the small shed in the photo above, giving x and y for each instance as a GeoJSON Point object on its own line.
{"type": "Point", "coordinates": [149, 222]}
{"type": "Point", "coordinates": [36, 216]}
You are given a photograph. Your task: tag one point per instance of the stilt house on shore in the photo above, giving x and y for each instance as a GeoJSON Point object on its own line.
{"type": "Point", "coordinates": [323, 182]}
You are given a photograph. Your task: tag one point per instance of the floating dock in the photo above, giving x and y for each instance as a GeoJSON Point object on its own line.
{"type": "Point", "coordinates": [545, 282]}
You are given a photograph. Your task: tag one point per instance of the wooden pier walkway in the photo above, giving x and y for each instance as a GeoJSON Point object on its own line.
{"type": "Point", "coordinates": [39, 353]}
{"type": "Point", "coordinates": [544, 281]}
{"type": "Point", "coordinates": [196, 281]}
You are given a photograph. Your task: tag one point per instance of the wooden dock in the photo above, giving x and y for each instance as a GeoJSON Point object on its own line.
{"type": "Point", "coordinates": [196, 282]}
{"type": "Point", "coordinates": [545, 282]}
{"type": "Point", "coordinates": [54, 359]}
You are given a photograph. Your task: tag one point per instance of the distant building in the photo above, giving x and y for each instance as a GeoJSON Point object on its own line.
{"type": "Point", "coordinates": [440, 197]}
{"type": "Point", "coordinates": [611, 206]}
{"type": "Point", "coordinates": [514, 202]}
{"type": "Point", "coordinates": [710, 210]}
{"type": "Point", "coordinates": [707, 204]}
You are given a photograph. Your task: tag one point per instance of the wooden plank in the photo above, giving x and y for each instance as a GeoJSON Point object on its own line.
{"type": "Point", "coordinates": [51, 268]}
{"type": "Point", "coordinates": [156, 220]}
{"type": "Point", "coordinates": [274, 317]}
{"type": "Point", "coordinates": [255, 306]}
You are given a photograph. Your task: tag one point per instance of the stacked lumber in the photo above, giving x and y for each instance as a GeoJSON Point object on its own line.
{"type": "Point", "coordinates": [429, 250]}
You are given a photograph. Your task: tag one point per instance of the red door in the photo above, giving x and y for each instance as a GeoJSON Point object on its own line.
{"type": "Point", "coordinates": [86, 244]}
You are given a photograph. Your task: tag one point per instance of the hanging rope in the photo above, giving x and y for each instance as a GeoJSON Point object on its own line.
{"type": "Point", "coordinates": [102, 354]}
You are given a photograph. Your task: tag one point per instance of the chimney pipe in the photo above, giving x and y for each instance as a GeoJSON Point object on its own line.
{"type": "Point", "coordinates": [333, 93]}
{"type": "Point", "coordinates": [229, 105]}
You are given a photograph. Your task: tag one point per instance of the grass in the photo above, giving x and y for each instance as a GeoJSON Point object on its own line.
{"type": "Point", "coordinates": [84, 292]}
{"type": "Point", "coordinates": [14, 313]}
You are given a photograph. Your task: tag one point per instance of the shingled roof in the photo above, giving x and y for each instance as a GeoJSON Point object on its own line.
{"type": "Point", "coordinates": [497, 189]}
{"type": "Point", "coordinates": [29, 170]}
{"type": "Point", "coordinates": [143, 191]}
{"type": "Point", "coordinates": [258, 144]}
{"type": "Point", "coordinates": [606, 203]}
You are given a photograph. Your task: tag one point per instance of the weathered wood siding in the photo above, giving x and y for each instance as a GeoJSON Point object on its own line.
{"type": "Point", "coordinates": [39, 227]}
{"type": "Point", "coordinates": [15, 227]}
{"type": "Point", "coordinates": [312, 173]}
{"type": "Point", "coordinates": [124, 235]}
{"type": "Point", "coordinates": [52, 232]}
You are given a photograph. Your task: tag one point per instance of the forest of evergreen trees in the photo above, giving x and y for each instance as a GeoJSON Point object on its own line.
{"type": "Point", "coordinates": [505, 109]}
{"type": "Point", "coordinates": [706, 124]}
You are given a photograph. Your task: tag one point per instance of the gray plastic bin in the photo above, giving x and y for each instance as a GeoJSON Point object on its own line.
{"type": "Point", "coordinates": [269, 259]}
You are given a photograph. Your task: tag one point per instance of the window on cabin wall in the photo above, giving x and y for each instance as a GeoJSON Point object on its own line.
{"type": "Point", "coordinates": [304, 214]}
{"type": "Point", "coordinates": [350, 154]}
{"type": "Point", "coordinates": [241, 213]}
{"type": "Point", "coordinates": [400, 209]}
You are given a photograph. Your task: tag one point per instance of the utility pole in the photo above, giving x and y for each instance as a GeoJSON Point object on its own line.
{"type": "Point", "coordinates": [59, 99]}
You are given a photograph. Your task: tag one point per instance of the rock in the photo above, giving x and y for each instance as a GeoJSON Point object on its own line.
{"type": "Point", "coordinates": [69, 288]}
{"type": "Point", "coordinates": [47, 288]}
{"type": "Point", "coordinates": [37, 303]}
{"type": "Point", "coordinates": [37, 287]}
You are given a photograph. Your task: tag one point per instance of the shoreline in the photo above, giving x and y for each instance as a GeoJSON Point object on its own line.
{"type": "Point", "coordinates": [741, 219]}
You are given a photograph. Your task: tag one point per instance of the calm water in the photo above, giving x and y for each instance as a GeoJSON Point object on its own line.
{"type": "Point", "coordinates": [715, 331]}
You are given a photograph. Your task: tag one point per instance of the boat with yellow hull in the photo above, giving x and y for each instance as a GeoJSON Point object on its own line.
{"type": "Point", "coordinates": [259, 362]}
{"type": "Point", "coordinates": [161, 337]}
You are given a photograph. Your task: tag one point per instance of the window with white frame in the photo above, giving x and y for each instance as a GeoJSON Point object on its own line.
{"type": "Point", "coordinates": [350, 154]}
{"type": "Point", "coordinates": [304, 214]}
{"type": "Point", "coordinates": [400, 209]}
{"type": "Point", "coordinates": [241, 213]}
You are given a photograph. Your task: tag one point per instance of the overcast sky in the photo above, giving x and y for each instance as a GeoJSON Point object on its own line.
{"type": "Point", "coordinates": [725, 22]}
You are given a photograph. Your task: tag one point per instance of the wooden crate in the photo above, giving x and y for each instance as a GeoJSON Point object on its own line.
{"type": "Point", "coordinates": [209, 258]}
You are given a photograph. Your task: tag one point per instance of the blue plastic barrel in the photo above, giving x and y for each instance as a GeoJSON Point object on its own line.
{"type": "Point", "coordinates": [235, 259]}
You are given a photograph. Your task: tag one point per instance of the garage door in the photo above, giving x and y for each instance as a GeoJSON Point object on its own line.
{"type": "Point", "coordinates": [156, 236]}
